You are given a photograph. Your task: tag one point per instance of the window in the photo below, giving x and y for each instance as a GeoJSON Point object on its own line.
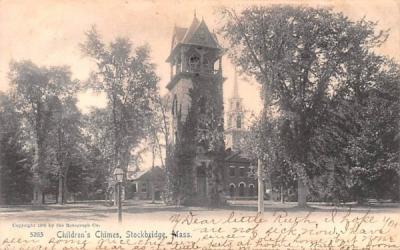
{"type": "Point", "coordinates": [201, 171]}
{"type": "Point", "coordinates": [174, 109]}
{"type": "Point", "coordinates": [143, 188]}
{"type": "Point", "coordinates": [251, 190]}
{"type": "Point", "coordinates": [178, 66]}
{"type": "Point", "coordinates": [194, 63]}
{"type": "Point", "coordinates": [134, 188]}
{"type": "Point", "coordinates": [238, 121]}
{"type": "Point", "coordinates": [241, 188]}
{"type": "Point", "coordinates": [242, 171]}
{"type": "Point", "coordinates": [231, 171]}
{"type": "Point", "coordinates": [231, 190]}
{"type": "Point", "coordinates": [206, 65]}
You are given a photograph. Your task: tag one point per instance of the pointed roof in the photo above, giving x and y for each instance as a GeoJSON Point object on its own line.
{"type": "Point", "coordinates": [192, 28]}
{"type": "Point", "coordinates": [179, 33]}
{"type": "Point", "coordinates": [235, 86]}
{"type": "Point", "coordinates": [197, 34]}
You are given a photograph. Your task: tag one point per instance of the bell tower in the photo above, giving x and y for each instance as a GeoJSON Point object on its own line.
{"type": "Point", "coordinates": [196, 129]}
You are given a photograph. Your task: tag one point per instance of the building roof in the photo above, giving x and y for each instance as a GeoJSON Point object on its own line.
{"type": "Point", "coordinates": [136, 175]}
{"type": "Point", "coordinates": [154, 173]}
{"type": "Point", "coordinates": [197, 34]}
{"type": "Point", "coordinates": [179, 33]}
{"type": "Point", "coordinates": [236, 156]}
{"type": "Point", "coordinates": [192, 28]}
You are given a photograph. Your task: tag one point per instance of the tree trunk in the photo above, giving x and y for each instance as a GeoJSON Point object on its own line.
{"type": "Point", "coordinates": [107, 196]}
{"type": "Point", "coordinates": [38, 198]}
{"type": "Point", "coordinates": [65, 189]}
{"type": "Point", "coordinates": [60, 196]}
{"type": "Point", "coordinates": [37, 189]}
{"type": "Point", "coordinates": [43, 198]}
{"type": "Point", "coordinates": [152, 192]}
{"type": "Point", "coordinates": [282, 198]}
{"type": "Point", "coordinates": [260, 187]}
{"type": "Point", "coordinates": [301, 193]}
{"type": "Point", "coordinates": [115, 194]}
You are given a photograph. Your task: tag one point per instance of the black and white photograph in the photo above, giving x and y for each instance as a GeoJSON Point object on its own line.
{"type": "Point", "coordinates": [221, 125]}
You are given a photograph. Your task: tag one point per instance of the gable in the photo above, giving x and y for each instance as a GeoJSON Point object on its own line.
{"type": "Point", "coordinates": [237, 156]}
{"type": "Point", "coordinates": [201, 36]}
{"type": "Point", "coordinates": [179, 34]}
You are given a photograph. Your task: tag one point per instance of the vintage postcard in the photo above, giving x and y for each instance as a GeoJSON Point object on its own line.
{"type": "Point", "coordinates": [220, 125]}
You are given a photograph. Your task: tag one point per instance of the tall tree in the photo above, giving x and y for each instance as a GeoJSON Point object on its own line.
{"type": "Point", "coordinates": [159, 129]}
{"type": "Point", "coordinates": [297, 54]}
{"type": "Point", "coordinates": [128, 79]}
{"type": "Point", "coordinates": [35, 90]}
{"type": "Point", "coordinates": [159, 140]}
{"type": "Point", "coordinates": [369, 103]}
{"type": "Point", "coordinates": [15, 175]}
{"type": "Point", "coordinates": [99, 144]}
{"type": "Point", "coordinates": [67, 141]}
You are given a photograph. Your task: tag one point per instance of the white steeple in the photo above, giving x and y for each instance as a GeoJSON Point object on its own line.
{"type": "Point", "coordinates": [235, 86]}
{"type": "Point", "coordinates": [235, 117]}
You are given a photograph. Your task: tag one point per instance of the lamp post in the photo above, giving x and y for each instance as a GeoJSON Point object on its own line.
{"type": "Point", "coordinates": [119, 176]}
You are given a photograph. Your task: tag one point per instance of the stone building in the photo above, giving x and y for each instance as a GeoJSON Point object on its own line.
{"type": "Point", "coordinates": [196, 109]}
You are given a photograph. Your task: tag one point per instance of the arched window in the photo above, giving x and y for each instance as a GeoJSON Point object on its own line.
{"type": "Point", "coordinates": [232, 190]}
{"type": "Point", "coordinates": [238, 121]}
{"type": "Point", "coordinates": [194, 63]}
{"type": "Point", "coordinates": [241, 189]}
{"type": "Point", "coordinates": [174, 109]}
{"type": "Point", "coordinates": [206, 65]}
{"type": "Point", "coordinates": [251, 190]}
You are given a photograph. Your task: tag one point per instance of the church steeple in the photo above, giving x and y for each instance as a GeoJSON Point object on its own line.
{"type": "Point", "coordinates": [235, 116]}
{"type": "Point", "coordinates": [235, 86]}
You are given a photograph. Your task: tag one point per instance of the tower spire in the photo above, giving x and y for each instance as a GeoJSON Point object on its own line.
{"type": "Point", "coordinates": [235, 86]}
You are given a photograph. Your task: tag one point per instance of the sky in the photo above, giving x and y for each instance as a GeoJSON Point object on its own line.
{"type": "Point", "coordinates": [48, 32]}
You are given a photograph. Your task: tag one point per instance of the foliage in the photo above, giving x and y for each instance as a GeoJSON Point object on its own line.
{"type": "Point", "coordinates": [370, 103]}
{"type": "Point", "coordinates": [37, 92]}
{"type": "Point", "coordinates": [201, 133]}
{"type": "Point", "coordinates": [314, 65]}
{"type": "Point", "coordinates": [15, 160]}
{"type": "Point", "coordinates": [128, 79]}
{"type": "Point", "coordinates": [99, 150]}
